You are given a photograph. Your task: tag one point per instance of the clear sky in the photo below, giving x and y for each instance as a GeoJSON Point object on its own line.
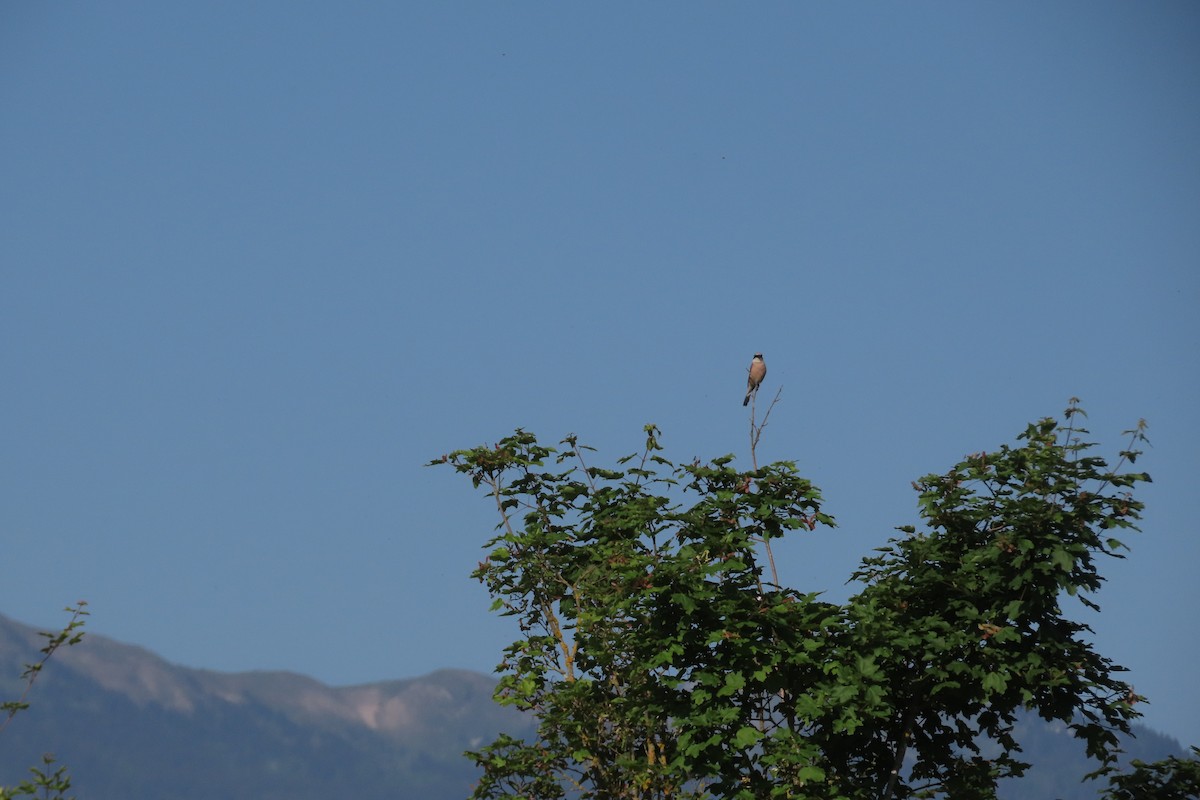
{"type": "Point", "coordinates": [259, 262]}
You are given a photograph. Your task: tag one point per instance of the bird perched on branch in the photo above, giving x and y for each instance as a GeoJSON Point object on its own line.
{"type": "Point", "coordinates": [758, 371]}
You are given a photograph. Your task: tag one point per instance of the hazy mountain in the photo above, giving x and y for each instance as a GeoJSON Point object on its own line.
{"type": "Point", "coordinates": [1059, 761]}
{"type": "Point", "coordinates": [131, 726]}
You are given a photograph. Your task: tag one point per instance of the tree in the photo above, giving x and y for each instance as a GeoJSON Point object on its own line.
{"type": "Point", "coordinates": [48, 781]}
{"type": "Point", "coordinates": [663, 661]}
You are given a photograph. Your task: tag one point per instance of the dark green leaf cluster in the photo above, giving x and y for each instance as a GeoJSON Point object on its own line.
{"type": "Point", "coordinates": [661, 664]}
{"type": "Point", "coordinates": [1172, 779]}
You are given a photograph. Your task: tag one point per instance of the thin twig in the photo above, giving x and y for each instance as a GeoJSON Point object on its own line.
{"type": "Point", "coordinates": [755, 435]}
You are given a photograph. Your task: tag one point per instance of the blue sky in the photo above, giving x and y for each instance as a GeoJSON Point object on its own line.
{"type": "Point", "coordinates": [260, 262]}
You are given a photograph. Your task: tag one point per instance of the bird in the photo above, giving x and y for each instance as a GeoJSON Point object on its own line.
{"type": "Point", "coordinates": [758, 371]}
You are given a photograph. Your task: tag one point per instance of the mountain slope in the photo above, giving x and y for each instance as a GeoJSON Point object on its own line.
{"type": "Point", "coordinates": [130, 725]}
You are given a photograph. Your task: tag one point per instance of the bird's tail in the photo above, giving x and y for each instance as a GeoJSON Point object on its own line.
{"type": "Point", "coordinates": [746, 402]}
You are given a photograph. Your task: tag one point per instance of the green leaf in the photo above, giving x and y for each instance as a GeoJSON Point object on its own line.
{"type": "Point", "coordinates": [810, 774]}
{"type": "Point", "coordinates": [734, 682]}
{"type": "Point", "coordinates": [746, 737]}
{"type": "Point", "coordinates": [867, 667]}
{"type": "Point", "coordinates": [994, 683]}
{"type": "Point", "coordinates": [1062, 559]}
{"type": "Point", "coordinates": [684, 601]}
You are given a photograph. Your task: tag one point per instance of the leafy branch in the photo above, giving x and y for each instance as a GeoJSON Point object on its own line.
{"type": "Point", "coordinates": [46, 783]}
{"type": "Point", "coordinates": [71, 634]}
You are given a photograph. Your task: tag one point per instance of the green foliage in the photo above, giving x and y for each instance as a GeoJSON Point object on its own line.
{"type": "Point", "coordinates": [71, 634]}
{"type": "Point", "coordinates": [968, 612]}
{"type": "Point", "coordinates": [44, 784]}
{"type": "Point", "coordinates": [660, 663]}
{"type": "Point", "coordinates": [1172, 779]}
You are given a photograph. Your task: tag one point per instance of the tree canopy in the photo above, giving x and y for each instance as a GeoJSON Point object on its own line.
{"type": "Point", "coordinates": [663, 658]}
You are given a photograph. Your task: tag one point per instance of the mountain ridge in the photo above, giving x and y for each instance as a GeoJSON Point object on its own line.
{"type": "Point", "coordinates": [125, 720]}
{"type": "Point", "coordinates": [147, 678]}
